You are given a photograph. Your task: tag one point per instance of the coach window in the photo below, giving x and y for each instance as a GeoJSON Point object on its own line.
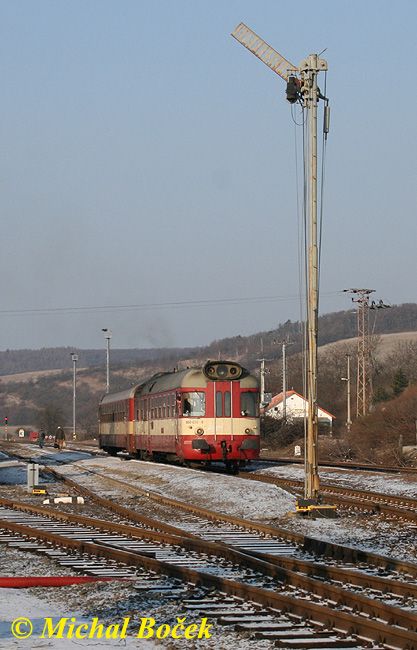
{"type": "Point", "coordinates": [219, 404]}
{"type": "Point", "coordinates": [249, 404]}
{"type": "Point", "coordinates": [194, 404]}
{"type": "Point", "coordinates": [227, 404]}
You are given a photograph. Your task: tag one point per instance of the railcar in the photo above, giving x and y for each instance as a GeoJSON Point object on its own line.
{"type": "Point", "coordinates": [198, 415]}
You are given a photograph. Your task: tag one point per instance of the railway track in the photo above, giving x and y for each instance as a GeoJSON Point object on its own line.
{"type": "Point", "coordinates": [278, 565]}
{"type": "Point", "coordinates": [394, 506]}
{"type": "Point", "coordinates": [386, 469]}
{"type": "Point", "coordinates": [200, 518]}
{"type": "Point", "coordinates": [325, 606]}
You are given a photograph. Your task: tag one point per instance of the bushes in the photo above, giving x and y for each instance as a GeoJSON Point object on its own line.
{"type": "Point", "coordinates": [278, 433]}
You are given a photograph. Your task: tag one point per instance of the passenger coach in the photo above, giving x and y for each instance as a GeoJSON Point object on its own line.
{"type": "Point", "coordinates": [196, 415]}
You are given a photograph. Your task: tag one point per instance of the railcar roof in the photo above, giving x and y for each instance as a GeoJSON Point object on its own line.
{"type": "Point", "coordinates": [191, 377]}
{"type": "Point", "coordinates": [188, 378]}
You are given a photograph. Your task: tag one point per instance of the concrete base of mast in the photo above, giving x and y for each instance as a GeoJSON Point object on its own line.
{"type": "Point", "coordinates": [314, 508]}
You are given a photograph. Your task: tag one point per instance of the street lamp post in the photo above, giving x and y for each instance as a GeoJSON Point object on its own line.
{"type": "Point", "coordinates": [107, 336]}
{"type": "Point", "coordinates": [74, 358]}
{"type": "Point", "coordinates": [347, 380]}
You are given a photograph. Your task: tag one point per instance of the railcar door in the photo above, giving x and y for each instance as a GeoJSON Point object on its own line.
{"type": "Point", "coordinates": [223, 404]}
{"type": "Point", "coordinates": [149, 425]}
{"type": "Point", "coordinates": [177, 426]}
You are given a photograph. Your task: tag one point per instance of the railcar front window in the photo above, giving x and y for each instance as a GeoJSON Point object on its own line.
{"type": "Point", "coordinates": [227, 404]}
{"type": "Point", "coordinates": [194, 404]}
{"type": "Point", "coordinates": [219, 404]}
{"type": "Point", "coordinates": [249, 404]}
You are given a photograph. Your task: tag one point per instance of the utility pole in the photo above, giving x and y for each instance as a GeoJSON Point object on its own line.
{"type": "Point", "coordinates": [107, 335]}
{"type": "Point", "coordinates": [284, 383]}
{"type": "Point", "coordinates": [262, 375]}
{"type": "Point", "coordinates": [302, 87]}
{"type": "Point", "coordinates": [347, 380]}
{"type": "Point", "coordinates": [364, 372]}
{"type": "Point", "coordinates": [361, 298]}
{"type": "Point", "coordinates": [284, 380]}
{"type": "Point", "coordinates": [74, 358]}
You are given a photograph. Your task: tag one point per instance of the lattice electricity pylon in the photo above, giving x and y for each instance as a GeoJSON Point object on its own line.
{"type": "Point", "coordinates": [364, 384]}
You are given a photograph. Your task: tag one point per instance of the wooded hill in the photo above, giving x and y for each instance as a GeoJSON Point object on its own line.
{"type": "Point", "coordinates": [332, 327]}
{"type": "Point", "coordinates": [26, 397]}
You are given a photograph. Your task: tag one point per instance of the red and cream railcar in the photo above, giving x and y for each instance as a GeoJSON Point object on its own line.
{"type": "Point", "coordinates": [195, 415]}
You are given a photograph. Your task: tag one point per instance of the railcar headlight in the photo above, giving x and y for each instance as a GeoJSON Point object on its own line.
{"type": "Point", "coordinates": [224, 370]}
{"type": "Point", "coordinates": [248, 430]}
{"type": "Point", "coordinates": [200, 432]}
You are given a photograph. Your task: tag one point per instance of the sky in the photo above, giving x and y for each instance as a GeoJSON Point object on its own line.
{"type": "Point", "coordinates": [148, 170]}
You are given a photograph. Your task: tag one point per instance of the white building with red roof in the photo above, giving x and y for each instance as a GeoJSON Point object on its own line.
{"type": "Point", "coordinates": [296, 407]}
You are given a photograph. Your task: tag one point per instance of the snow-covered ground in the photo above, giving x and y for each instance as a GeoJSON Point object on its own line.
{"type": "Point", "coordinates": [221, 492]}
{"type": "Point", "coordinates": [399, 484]}
{"type": "Point", "coordinates": [110, 602]}
{"type": "Point", "coordinates": [15, 603]}
{"type": "Point", "coordinates": [247, 499]}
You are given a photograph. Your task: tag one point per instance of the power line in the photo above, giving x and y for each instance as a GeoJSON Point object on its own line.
{"type": "Point", "coordinates": [180, 304]}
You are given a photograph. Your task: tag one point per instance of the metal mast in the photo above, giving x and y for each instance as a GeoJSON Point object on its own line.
{"type": "Point", "coordinates": [284, 379]}
{"type": "Point", "coordinates": [262, 374]}
{"type": "Point", "coordinates": [302, 87]}
{"type": "Point", "coordinates": [361, 297]}
{"type": "Point", "coordinates": [107, 336]}
{"type": "Point", "coordinates": [74, 358]}
{"type": "Point", "coordinates": [284, 383]}
{"type": "Point", "coordinates": [364, 376]}
{"type": "Point", "coordinates": [309, 70]}
{"type": "Point", "coordinates": [347, 380]}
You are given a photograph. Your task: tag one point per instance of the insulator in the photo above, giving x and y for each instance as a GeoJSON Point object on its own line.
{"type": "Point", "coordinates": [326, 119]}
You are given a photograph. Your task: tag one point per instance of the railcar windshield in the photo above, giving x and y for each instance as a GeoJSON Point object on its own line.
{"type": "Point", "coordinates": [194, 404]}
{"type": "Point", "coordinates": [249, 404]}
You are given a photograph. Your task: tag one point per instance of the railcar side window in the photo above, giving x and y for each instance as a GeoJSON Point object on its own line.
{"type": "Point", "coordinates": [194, 404]}
{"type": "Point", "coordinates": [227, 404]}
{"type": "Point", "coordinates": [249, 404]}
{"type": "Point", "coordinates": [219, 404]}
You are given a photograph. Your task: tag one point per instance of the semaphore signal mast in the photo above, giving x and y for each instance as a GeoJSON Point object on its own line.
{"type": "Point", "coordinates": [302, 87]}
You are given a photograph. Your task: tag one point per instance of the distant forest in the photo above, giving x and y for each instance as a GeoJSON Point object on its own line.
{"type": "Point", "coordinates": [332, 327]}
{"type": "Point", "coordinates": [47, 400]}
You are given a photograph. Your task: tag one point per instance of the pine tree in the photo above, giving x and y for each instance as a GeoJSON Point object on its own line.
{"type": "Point", "coordinates": [399, 382]}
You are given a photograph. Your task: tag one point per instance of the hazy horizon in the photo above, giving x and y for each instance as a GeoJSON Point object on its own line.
{"type": "Point", "coordinates": [149, 169]}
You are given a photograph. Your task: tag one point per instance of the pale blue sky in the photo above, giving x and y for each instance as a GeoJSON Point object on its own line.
{"type": "Point", "coordinates": [147, 157]}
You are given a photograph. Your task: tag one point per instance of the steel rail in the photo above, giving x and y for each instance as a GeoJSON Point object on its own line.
{"type": "Point", "coordinates": [308, 544]}
{"type": "Point", "coordinates": [290, 567]}
{"type": "Point", "coordinates": [361, 499]}
{"type": "Point", "coordinates": [365, 627]}
{"type": "Point", "coordinates": [390, 469]}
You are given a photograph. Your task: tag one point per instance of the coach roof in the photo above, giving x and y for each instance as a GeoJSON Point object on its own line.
{"type": "Point", "coordinates": [189, 378]}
